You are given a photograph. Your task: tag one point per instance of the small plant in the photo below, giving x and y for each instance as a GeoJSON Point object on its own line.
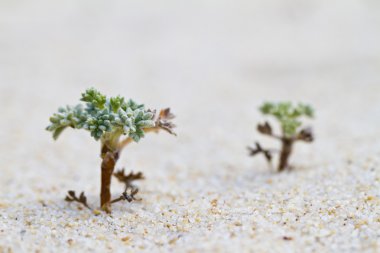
{"type": "Point", "coordinates": [115, 122]}
{"type": "Point", "coordinates": [289, 117]}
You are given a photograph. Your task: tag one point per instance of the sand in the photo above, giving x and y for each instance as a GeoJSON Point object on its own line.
{"type": "Point", "coordinates": [213, 63]}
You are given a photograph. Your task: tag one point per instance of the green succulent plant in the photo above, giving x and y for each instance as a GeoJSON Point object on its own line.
{"type": "Point", "coordinates": [289, 117]}
{"type": "Point", "coordinates": [108, 120]}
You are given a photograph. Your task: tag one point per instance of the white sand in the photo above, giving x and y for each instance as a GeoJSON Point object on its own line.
{"type": "Point", "coordinates": [213, 63]}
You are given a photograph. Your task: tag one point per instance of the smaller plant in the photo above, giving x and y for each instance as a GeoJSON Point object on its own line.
{"type": "Point", "coordinates": [289, 117]}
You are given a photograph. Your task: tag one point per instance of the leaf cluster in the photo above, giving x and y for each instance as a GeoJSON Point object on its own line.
{"type": "Point", "coordinates": [288, 115]}
{"type": "Point", "coordinates": [101, 116]}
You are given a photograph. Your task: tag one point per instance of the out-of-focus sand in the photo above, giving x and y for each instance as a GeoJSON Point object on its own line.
{"type": "Point", "coordinates": [213, 62]}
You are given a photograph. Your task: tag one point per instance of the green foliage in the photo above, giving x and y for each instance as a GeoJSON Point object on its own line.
{"type": "Point", "coordinates": [288, 115]}
{"type": "Point", "coordinates": [100, 123]}
{"type": "Point", "coordinates": [116, 103]}
{"type": "Point", "coordinates": [103, 118]}
{"type": "Point", "coordinates": [94, 97]}
{"type": "Point", "coordinates": [69, 116]}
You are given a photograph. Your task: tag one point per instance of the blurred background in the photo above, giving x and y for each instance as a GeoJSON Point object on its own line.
{"type": "Point", "coordinates": [213, 62]}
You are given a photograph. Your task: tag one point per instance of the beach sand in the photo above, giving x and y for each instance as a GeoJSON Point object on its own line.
{"type": "Point", "coordinates": [213, 63]}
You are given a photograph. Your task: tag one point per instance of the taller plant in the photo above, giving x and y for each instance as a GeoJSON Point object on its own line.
{"type": "Point", "coordinates": [289, 117]}
{"type": "Point", "coordinates": [115, 122]}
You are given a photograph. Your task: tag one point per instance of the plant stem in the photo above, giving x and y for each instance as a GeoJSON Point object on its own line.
{"type": "Point", "coordinates": [129, 140]}
{"type": "Point", "coordinates": [109, 159]}
{"type": "Point", "coordinates": [111, 148]}
{"type": "Point", "coordinates": [286, 150]}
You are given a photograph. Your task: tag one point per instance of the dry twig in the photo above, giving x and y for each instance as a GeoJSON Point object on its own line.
{"type": "Point", "coordinates": [82, 199]}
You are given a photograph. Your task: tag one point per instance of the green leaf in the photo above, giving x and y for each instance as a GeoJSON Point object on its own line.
{"type": "Point", "coordinates": [57, 132]}
{"type": "Point", "coordinates": [94, 97]}
{"type": "Point", "coordinates": [116, 103]}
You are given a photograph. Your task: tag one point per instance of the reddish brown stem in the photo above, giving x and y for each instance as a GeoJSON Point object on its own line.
{"type": "Point", "coordinates": [111, 149]}
{"type": "Point", "coordinates": [286, 150]}
{"type": "Point", "coordinates": [108, 165]}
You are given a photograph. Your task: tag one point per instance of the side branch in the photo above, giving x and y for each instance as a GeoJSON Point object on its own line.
{"type": "Point", "coordinates": [71, 197]}
{"type": "Point", "coordinates": [124, 143]}
{"type": "Point", "coordinates": [259, 150]}
{"type": "Point", "coordinates": [127, 196]}
{"type": "Point", "coordinates": [127, 179]}
{"type": "Point", "coordinates": [266, 129]}
{"type": "Point", "coordinates": [162, 122]}
{"type": "Point", "coordinates": [305, 135]}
